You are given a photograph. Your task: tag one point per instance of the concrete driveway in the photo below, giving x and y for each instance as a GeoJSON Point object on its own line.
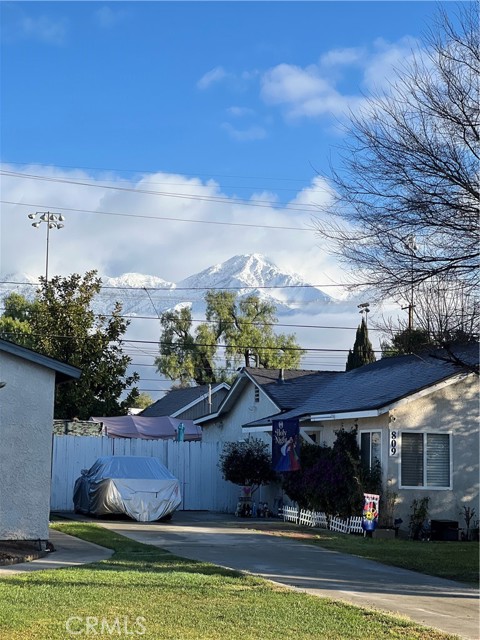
{"type": "Point", "coordinates": [224, 540]}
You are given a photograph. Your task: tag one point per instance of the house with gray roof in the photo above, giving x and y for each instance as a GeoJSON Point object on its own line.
{"type": "Point", "coordinates": [417, 415]}
{"type": "Point", "coordinates": [255, 394]}
{"type": "Point", "coordinates": [188, 403]}
{"type": "Point", "coordinates": [27, 392]}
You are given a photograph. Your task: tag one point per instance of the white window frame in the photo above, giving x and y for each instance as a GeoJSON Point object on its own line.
{"type": "Point", "coordinates": [424, 486]}
{"type": "Point", "coordinates": [371, 431]}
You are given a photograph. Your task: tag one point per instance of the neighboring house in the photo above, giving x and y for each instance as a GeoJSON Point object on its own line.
{"type": "Point", "coordinates": [26, 419]}
{"type": "Point", "coordinates": [417, 415]}
{"type": "Point", "coordinates": [188, 403]}
{"type": "Point", "coordinates": [257, 393]}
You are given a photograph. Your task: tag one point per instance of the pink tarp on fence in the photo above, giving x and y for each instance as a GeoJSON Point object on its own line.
{"type": "Point", "coordinates": [157, 428]}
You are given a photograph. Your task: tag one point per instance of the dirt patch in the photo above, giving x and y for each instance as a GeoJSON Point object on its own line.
{"type": "Point", "coordinates": [15, 552]}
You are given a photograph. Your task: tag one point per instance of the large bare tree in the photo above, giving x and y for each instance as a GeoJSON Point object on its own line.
{"type": "Point", "coordinates": [407, 186]}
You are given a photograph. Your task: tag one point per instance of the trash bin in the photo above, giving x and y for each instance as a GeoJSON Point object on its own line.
{"type": "Point", "coordinates": [444, 530]}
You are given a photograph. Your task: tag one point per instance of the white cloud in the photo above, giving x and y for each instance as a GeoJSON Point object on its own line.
{"type": "Point", "coordinates": [211, 77]}
{"type": "Point", "coordinates": [240, 112]}
{"type": "Point", "coordinates": [106, 17]}
{"type": "Point", "coordinates": [170, 249]}
{"type": "Point", "coordinates": [287, 83]}
{"type": "Point", "coordinates": [316, 90]}
{"type": "Point", "coordinates": [245, 135]}
{"type": "Point", "coordinates": [304, 92]}
{"type": "Point", "coordinates": [342, 57]}
{"type": "Point", "coordinates": [386, 58]}
{"type": "Point", "coordinates": [44, 29]}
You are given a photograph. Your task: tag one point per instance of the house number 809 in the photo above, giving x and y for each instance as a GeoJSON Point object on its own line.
{"type": "Point", "coordinates": [393, 451]}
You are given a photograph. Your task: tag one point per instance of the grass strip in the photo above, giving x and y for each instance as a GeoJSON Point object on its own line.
{"type": "Point", "coordinates": [176, 599]}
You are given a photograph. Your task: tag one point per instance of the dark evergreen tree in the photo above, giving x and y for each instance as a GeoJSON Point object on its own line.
{"type": "Point", "coordinates": [362, 349]}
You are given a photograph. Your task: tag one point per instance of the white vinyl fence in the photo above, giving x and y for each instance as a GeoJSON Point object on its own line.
{"type": "Point", "coordinates": [319, 519]}
{"type": "Point", "coordinates": [195, 464]}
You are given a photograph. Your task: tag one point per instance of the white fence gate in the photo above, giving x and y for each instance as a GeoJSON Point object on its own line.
{"type": "Point", "coordinates": [195, 464]}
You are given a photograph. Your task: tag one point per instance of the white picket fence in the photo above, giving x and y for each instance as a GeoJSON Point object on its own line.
{"type": "Point", "coordinates": [195, 464]}
{"type": "Point", "coordinates": [319, 519]}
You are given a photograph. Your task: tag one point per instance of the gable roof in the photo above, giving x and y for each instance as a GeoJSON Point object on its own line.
{"type": "Point", "coordinates": [177, 400]}
{"type": "Point", "coordinates": [288, 388]}
{"type": "Point", "coordinates": [283, 387]}
{"type": "Point", "coordinates": [63, 371]}
{"type": "Point", "coordinates": [380, 384]}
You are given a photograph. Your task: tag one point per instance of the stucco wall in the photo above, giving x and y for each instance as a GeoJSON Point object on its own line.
{"type": "Point", "coordinates": [228, 428]}
{"type": "Point", "coordinates": [453, 409]}
{"type": "Point", "coordinates": [450, 409]}
{"type": "Point", "coordinates": [26, 416]}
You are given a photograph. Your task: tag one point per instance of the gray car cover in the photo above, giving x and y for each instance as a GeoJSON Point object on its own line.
{"type": "Point", "coordinates": [140, 487]}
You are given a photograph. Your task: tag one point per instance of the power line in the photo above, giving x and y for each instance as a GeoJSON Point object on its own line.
{"type": "Point", "coordinates": [239, 288]}
{"type": "Point", "coordinates": [142, 174]}
{"type": "Point", "coordinates": [152, 217]}
{"type": "Point", "coordinates": [194, 344]}
{"type": "Point", "coordinates": [254, 324]}
{"type": "Point", "coordinates": [310, 208]}
{"type": "Point", "coordinates": [149, 171]}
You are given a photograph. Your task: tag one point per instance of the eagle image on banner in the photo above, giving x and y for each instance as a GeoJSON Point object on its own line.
{"type": "Point", "coordinates": [285, 445]}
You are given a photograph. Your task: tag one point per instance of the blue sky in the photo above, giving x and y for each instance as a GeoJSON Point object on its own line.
{"type": "Point", "coordinates": [183, 87]}
{"type": "Point", "coordinates": [199, 112]}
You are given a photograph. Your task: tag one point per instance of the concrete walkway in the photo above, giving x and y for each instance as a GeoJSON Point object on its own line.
{"type": "Point", "coordinates": [443, 604]}
{"type": "Point", "coordinates": [69, 552]}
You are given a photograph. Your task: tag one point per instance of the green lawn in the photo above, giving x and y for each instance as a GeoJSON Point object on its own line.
{"type": "Point", "coordinates": [178, 599]}
{"type": "Point", "coordinates": [452, 560]}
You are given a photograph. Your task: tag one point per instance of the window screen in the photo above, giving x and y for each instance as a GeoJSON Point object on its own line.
{"type": "Point", "coordinates": [412, 459]}
{"type": "Point", "coordinates": [425, 460]}
{"type": "Point", "coordinates": [438, 460]}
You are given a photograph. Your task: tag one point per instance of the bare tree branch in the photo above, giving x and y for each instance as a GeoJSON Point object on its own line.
{"type": "Point", "coordinates": [410, 167]}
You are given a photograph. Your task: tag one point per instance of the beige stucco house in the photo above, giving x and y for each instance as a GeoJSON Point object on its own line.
{"type": "Point", "coordinates": [27, 395]}
{"type": "Point", "coordinates": [417, 415]}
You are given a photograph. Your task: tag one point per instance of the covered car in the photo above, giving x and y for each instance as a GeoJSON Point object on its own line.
{"type": "Point", "coordinates": [139, 487]}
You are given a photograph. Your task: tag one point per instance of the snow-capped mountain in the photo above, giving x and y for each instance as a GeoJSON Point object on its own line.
{"type": "Point", "coordinates": [151, 295]}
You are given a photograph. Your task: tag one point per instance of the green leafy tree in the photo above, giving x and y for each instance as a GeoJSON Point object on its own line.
{"type": "Point", "coordinates": [187, 355]}
{"type": "Point", "coordinates": [143, 401]}
{"type": "Point", "coordinates": [362, 349]}
{"type": "Point", "coordinates": [248, 464]}
{"type": "Point", "coordinates": [405, 342]}
{"type": "Point", "coordinates": [61, 323]}
{"type": "Point", "coordinates": [244, 327]}
{"type": "Point", "coordinates": [14, 323]}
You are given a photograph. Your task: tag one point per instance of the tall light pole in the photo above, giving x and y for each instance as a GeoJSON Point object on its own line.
{"type": "Point", "coordinates": [411, 245]}
{"type": "Point", "coordinates": [364, 309]}
{"type": "Point", "coordinates": [52, 221]}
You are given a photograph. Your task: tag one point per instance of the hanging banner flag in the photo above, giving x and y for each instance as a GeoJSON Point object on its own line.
{"type": "Point", "coordinates": [370, 511]}
{"type": "Point", "coordinates": [286, 445]}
